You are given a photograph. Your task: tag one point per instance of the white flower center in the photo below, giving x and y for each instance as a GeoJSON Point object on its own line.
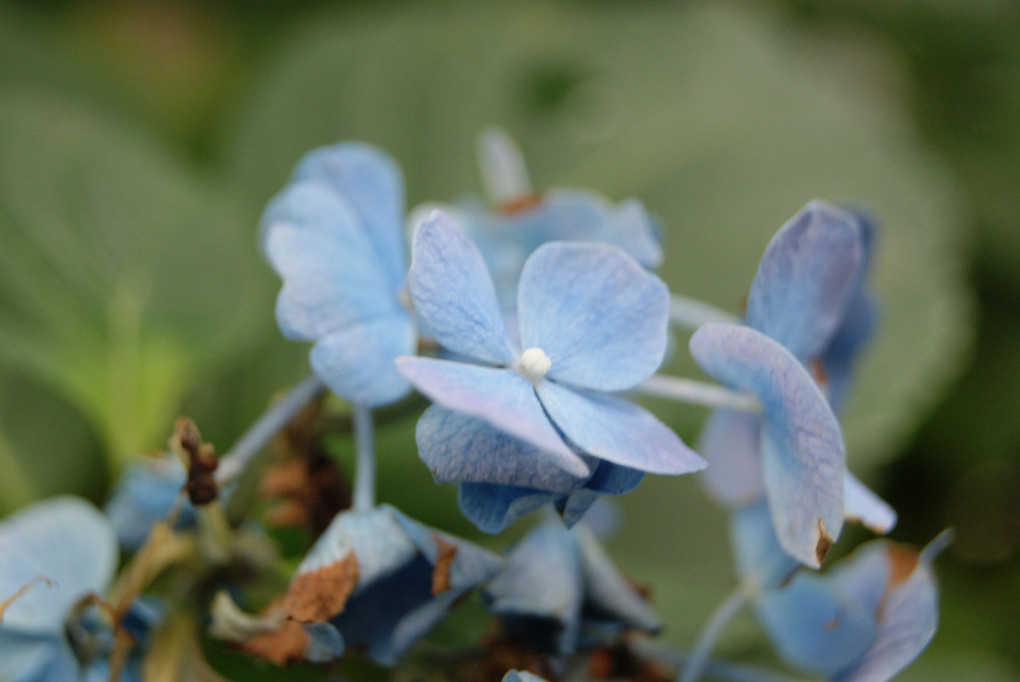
{"type": "Point", "coordinates": [535, 363]}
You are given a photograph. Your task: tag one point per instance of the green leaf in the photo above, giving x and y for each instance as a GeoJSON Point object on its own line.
{"type": "Point", "coordinates": [122, 277]}
{"type": "Point", "coordinates": [723, 144]}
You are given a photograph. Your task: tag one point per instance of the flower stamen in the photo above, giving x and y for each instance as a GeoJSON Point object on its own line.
{"type": "Point", "coordinates": [535, 363]}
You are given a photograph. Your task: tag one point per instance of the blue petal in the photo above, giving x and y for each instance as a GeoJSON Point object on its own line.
{"type": "Point", "coordinates": [65, 540]}
{"type": "Point", "coordinates": [729, 443]}
{"type": "Point", "coordinates": [616, 430]}
{"type": "Point", "coordinates": [144, 494]}
{"type": "Point", "coordinates": [494, 508]}
{"type": "Point", "coordinates": [521, 676]}
{"type": "Point", "coordinates": [325, 643]}
{"type": "Point", "coordinates": [860, 504]}
{"type": "Point", "coordinates": [456, 447]}
{"type": "Point", "coordinates": [453, 294]}
{"type": "Point", "coordinates": [800, 291]}
{"type": "Point", "coordinates": [371, 181]}
{"type": "Point", "coordinates": [357, 362]}
{"type": "Point", "coordinates": [802, 452]}
{"type": "Point", "coordinates": [540, 592]}
{"type": "Point", "coordinates": [756, 550]}
{"type": "Point", "coordinates": [633, 230]}
{"type": "Point", "coordinates": [504, 173]}
{"type": "Point", "coordinates": [501, 397]}
{"type": "Point", "coordinates": [909, 616]}
{"type": "Point", "coordinates": [813, 627]}
{"type": "Point", "coordinates": [598, 315]}
{"type": "Point", "coordinates": [607, 479]}
{"type": "Point", "coordinates": [27, 658]}
{"type": "Point", "coordinates": [331, 275]}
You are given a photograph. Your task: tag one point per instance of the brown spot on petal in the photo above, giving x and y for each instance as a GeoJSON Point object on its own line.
{"type": "Point", "coordinates": [824, 542]}
{"type": "Point", "coordinates": [280, 646]}
{"type": "Point", "coordinates": [902, 562]}
{"type": "Point", "coordinates": [441, 572]}
{"type": "Point", "coordinates": [817, 370]}
{"type": "Point", "coordinates": [317, 596]}
{"type": "Point", "coordinates": [519, 204]}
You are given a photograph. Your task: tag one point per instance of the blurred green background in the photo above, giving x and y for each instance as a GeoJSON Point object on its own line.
{"type": "Point", "coordinates": [140, 139]}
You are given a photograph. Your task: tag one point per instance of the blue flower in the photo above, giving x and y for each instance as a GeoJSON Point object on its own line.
{"type": "Point", "coordinates": [519, 220]}
{"type": "Point", "coordinates": [144, 494]}
{"type": "Point", "coordinates": [591, 322]}
{"type": "Point", "coordinates": [560, 591]}
{"type": "Point", "coordinates": [865, 620]}
{"type": "Point", "coordinates": [70, 544]}
{"type": "Point", "coordinates": [378, 581]}
{"type": "Point", "coordinates": [335, 237]}
{"type": "Point", "coordinates": [808, 306]}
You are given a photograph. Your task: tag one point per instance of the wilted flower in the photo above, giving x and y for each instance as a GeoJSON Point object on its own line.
{"type": "Point", "coordinates": [335, 237]}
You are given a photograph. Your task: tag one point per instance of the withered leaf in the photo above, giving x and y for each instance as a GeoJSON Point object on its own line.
{"type": "Point", "coordinates": [317, 596]}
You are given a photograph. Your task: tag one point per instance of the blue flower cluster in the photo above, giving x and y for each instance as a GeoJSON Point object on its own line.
{"type": "Point", "coordinates": [529, 322]}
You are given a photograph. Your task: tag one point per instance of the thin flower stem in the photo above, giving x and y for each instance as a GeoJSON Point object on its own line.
{"type": "Point", "coordinates": [697, 392]}
{"type": "Point", "coordinates": [691, 313]}
{"type": "Point", "coordinates": [719, 619]}
{"type": "Point", "coordinates": [279, 414]}
{"type": "Point", "coordinates": [364, 474]}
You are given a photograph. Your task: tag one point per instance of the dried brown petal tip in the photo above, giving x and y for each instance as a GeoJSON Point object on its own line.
{"type": "Point", "coordinates": [902, 562]}
{"type": "Point", "coordinates": [824, 542]}
{"type": "Point", "coordinates": [317, 596]}
{"type": "Point", "coordinates": [280, 646]}
{"type": "Point", "coordinates": [520, 204]}
{"type": "Point", "coordinates": [441, 572]}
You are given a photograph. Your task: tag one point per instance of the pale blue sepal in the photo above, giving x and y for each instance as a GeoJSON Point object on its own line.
{"type": "Point", "coordinates": [372, 182]}
{"type": "Point", "coordinates": [613, 603]}
{"type": "Point", "coordinates": [521, 676]}
{"type": "Point", "coordinates": [539, 593]}
{"type": "Point", "coordinates": [760, 560]}
{"type": "Point", "coordinates": [357, 362]}
{"type": "Point", "coordinates": [800, 292]}
{"type": "Point", "coordinates": [862, 505]}
{"type": "Point", "coordinates": [607, 479]}
{"type": "Point", "coordinates": [908, 616]}
{"type": "Point", "coordinates": [456, 447]}
{"type": "Point", "coordinates": [633, 230]}
{"type": "Point", "coordinates": [453, 294]}
{"type": "Point", "coordinates": [144, 494]}
{"type": "Point", "coordinates": [493, 508]}
{"type": "Point", "coordinates": [325, 643]}
{"type": "Point", "coordinates": [813, 627]}
{"type": "Point", "coordinates": [27, 658]}
{"type": "Point", "coordinates": [729, 443]}
{"type": "Point", "coordinates": [598, 315]}
{"type": "Point", "coordinates": [65, 540]}
{"type": "Point", "coordinates": [503, 398]}
{"type": "Point", "coordinates": [616, 430]}
{"type": "Point", "coordinates": [331, 275]}
{"type": "Point", "coordinates": [802, 452]}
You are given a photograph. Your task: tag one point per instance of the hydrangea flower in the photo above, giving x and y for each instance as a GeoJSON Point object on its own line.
{"type": "Point", "coordinates": [865, 620]}
{"type": "Point", "coordinates": [519, 220]}
{"type": "Point", "coordinates": [591, 322]}
{"type": "Point", "coordinates": [808, 306]}
{"type": "Point", "coordinates": [378, 581]}
{"type": "Point", "coordinates": [335, 237]}
{"type": "Point", "coordinates": [144, 494]}
{"type": "Point", "coordinates": [560, 590]}
{"type": "Point", "coordinates": [69, 543]}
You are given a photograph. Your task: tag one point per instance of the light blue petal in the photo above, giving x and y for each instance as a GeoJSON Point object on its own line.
{"type": "Point", "coordinates": [144, 494]}
{"type": "Point", "coordinates": [633, 230]}
{"type": "Point", "coordinates": [729, 443]}
{"type": "Point", "coordinates": [503, 398]}
{"type": "Point", "coordinates": [494, 508]}
{"type": "Point", "coordinates": [456, 447]}
{"type": "Point", "coordinates": [607, 479]}
{"type": "Point", "coordinates": [325, 643]}
{"type": "Point", "coordinates": [839, 359]}
{"type": "Point", "coordinates": [756, 550]}
{"type": "Point", "coordinates": [521, 676]}
{"type": "Point", "coordinates": [800, 292]}
{"type": "Point", "coordinates": [542, 581]}
{"type": "Point", "coordinates": [453, 294]}
{"type": "Point", "coordinates": [863, 577]}
{"type": "Point", "coordinates": [616, 430]}
{"type": "Point", "coordinates": [370, 180]}
{"type": "Point", "coordinates": [607, 592]}
{"type": "Point", "coordinates": [598, 315]}
{"type": "Point", "coordinates": [802, 452]}
{"type": "Point", "coordinates": [357, 362]}
{"type": "Point", "coordinates": [332, 277]}
{"type": "Point", "coordinates": [813, 628]}
{"type": "Point", "coordinates": [908, 622]}
{"type": "Point", "coordinates": [860, 504]}
{"type": "Point", "coordinates": [504, 173]}
{"type": "Point", "coordinates": [26, 658]}
{"type": "Point", "coordinates": [65, 540]}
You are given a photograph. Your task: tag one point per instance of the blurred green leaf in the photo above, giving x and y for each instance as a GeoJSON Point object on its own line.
{"type": "Point", "coordinates": [122, 278]}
